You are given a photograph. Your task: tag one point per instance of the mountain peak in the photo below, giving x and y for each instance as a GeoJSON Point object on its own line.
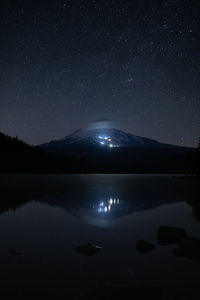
{"type": "Point", "coordinates": [108, 149]}
{"type": "Point", "coordinates": [103, 134]}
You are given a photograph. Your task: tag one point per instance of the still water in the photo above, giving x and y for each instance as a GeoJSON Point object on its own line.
{"type": "Point", "coordinates": [44, 218]}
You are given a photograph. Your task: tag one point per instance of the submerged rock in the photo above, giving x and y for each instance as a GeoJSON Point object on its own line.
{"type": "Point", "coordinates": [168, 235]}
{"type": "Point", "coordinates": [14, 251]}
{"type": "Point", "coordinates": [189, 247]}
{"type": "Point", "coordinates": [88, 249]}
{"type": "Point", "coordinates": [144, 246]}
{"type": "Point", "coordinates": [195, 204]}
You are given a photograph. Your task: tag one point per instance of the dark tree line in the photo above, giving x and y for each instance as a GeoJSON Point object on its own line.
{"type": "Point", "coordinates": [18, 157]}
{"type": "Point", "coordinates": [193, 162]}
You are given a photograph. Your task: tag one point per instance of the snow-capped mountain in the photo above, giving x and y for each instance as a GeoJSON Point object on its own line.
{"type": "Point", "coordinates": [104, 135]}
{"type": "Point", "coordinates": [108, 137]}
{"type": "Point", "coordinates": [105, 149]}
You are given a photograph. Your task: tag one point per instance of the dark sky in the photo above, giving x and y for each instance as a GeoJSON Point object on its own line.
{"type": "Point", "coordinates": [66, 63]}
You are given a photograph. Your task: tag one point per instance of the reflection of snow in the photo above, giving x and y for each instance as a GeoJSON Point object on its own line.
{"type": "Point", "coordinates": [104, 208]}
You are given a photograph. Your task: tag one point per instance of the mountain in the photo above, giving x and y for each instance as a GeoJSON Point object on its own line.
{"type": "Point", "coordinates": [107, 137]}
{"type": "Point", "coordinates": [101, 133]}
{"type": "Point", "coordinates": [106, 149]}
{"type": "Point", "coordinates": [97, 150]}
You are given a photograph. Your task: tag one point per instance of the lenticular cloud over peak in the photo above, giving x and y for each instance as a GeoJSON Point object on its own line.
{"type": "Point", "coordinates": [101, 124]}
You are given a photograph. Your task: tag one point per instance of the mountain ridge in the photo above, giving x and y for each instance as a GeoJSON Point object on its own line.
{"type": "Point", "coordinates": [118, 138]}
{"type": "Point", "coordinates": [110, 150]}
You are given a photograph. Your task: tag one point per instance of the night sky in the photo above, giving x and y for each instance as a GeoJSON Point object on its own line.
{"type": "Point", "coordinates": [66, 63]}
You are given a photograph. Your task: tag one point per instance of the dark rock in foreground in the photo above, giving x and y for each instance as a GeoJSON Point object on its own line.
{"type": "Point", "coordinates": [88, 249]}
{"type": "Point", "coordinates": [144, 246]}
{"type": "Point", "coordinates": [167, 235]}
{"type": "Point", "coordinates": [195, 203]}
{"type": "Point", "coordinates": [189, 247]}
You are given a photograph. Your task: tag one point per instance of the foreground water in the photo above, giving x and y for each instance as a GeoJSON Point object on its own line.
{"type": "Point", "coordinates": [45, 218]}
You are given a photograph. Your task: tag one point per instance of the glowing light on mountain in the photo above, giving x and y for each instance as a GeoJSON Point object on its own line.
{"type": "Point", "coordinates": [104, 137]}
{"type": "Point", "coordinates": [110, 201]}
{"type": "Point", "coordinates": [106, 140]}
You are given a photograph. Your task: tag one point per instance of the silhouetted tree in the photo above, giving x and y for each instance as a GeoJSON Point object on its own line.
{"type": "Point", "coordinates": [193, 162]}
{"type": "Point", "coordinates": [18, 157]}
{"type": "Point", "coordinates": [198, 159]}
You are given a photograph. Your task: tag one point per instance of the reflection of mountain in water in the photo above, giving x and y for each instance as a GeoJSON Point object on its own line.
{"type": "Point", "coordinates": [95, 196]}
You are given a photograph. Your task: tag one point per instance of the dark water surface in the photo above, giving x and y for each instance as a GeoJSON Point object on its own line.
{"type": "Point", "coordinates": [45, 218]}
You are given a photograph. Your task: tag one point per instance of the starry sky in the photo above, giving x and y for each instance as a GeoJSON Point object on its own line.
{"type": "Point", "coordinates": [65, 63]}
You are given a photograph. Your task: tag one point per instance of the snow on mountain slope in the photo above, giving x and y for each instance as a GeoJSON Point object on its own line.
{"type": "Point", "coordinates": [103, 134]}
{"type": "Point", "coordinates": [108, 137]}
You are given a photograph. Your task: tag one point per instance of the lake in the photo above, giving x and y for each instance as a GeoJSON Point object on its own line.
{"type": "Point", "coordinates": [44, 218]}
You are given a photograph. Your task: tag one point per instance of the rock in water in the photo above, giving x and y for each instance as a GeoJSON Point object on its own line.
{"type": "Point", "coordinates": [88, 249]}
{"type": "Point", "coordinates": [189, 247]}
{"type": "Point", "coordinates": [167, 235]}
{"type": "Point", "coordinates": [14, 251]}
{"type": "Point", "coordinates": [144, 246]}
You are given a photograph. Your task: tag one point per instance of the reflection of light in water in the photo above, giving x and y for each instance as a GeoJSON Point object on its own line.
{"type": "Point", "coordinates": [104, 208]}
